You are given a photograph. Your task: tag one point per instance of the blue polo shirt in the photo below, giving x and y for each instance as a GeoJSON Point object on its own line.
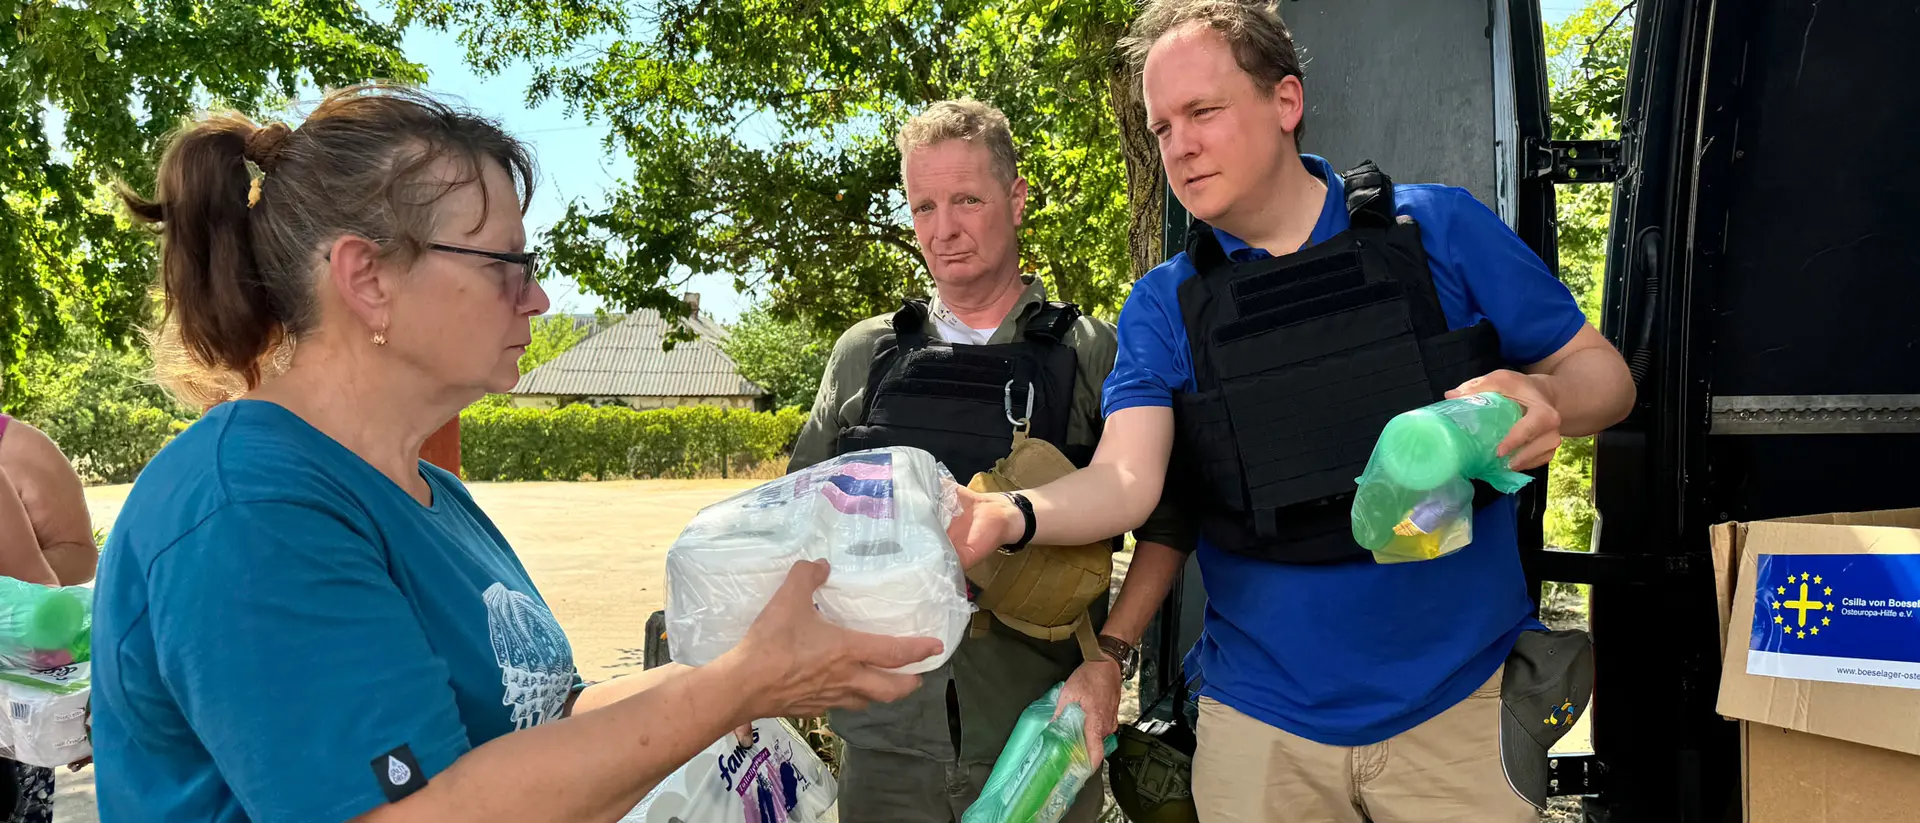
{"type": "Point", "coordinates": [1353, 654]}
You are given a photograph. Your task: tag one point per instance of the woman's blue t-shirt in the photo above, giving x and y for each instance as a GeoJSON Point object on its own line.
{"type": "Point", "coordinates": [282, 633]}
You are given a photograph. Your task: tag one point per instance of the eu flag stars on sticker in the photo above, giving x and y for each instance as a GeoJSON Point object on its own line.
{"type": "Point", "coordinates": [1842, 618]}
{"type": "Point", "coordinates": [1802, 606]}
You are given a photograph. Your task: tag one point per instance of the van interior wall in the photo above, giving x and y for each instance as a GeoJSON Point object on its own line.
{"type": "Point", "coordinates": [1409, 85]}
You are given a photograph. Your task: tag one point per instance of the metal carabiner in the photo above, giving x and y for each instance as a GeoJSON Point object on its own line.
{"type": "Point", "coordinates": [1020, 423]}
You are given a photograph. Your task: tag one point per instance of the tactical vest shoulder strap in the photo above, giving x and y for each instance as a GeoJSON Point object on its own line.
{"type": "Point", "coordinates": [1203, 248]}
{"type": "Point", "coordinates": [1051, 323]}
{"type": "Point", "coordinates": [910, 324]}
{"type": "Point", "coordinates": [1369, 196]}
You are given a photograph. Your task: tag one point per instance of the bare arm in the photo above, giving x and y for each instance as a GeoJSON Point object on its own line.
{"type": "Point", "coordinates": [1155, 566]}
{"type": "Point", "coordinates": [1095, 685]}
{"type": "Point", "coordinates": [599, 763]}
{"type": "Point", "coordinates": [1112, 495]}
{"type": "Point", "coordinates": [20, 556]}
{"type": "Point", "coordinates": [607, 760]}
{"type": "Point", "coordinates": [55, 502]}
{"type": "Point", "coordinates": [602, 695]}
{"type": "Point", "coordinates": [1579, 390]}
{"type": "Point", "coordinates": [1589, 383]}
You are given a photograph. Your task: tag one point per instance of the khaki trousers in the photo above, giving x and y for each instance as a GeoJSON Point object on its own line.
{"type": "Point", "coordinates": [1446, 770]}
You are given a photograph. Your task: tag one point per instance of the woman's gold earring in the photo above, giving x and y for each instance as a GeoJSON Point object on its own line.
{"type": "Point", "coordinates": [380, 337]}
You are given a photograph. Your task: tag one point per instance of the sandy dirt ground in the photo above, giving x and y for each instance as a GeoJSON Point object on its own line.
{"type": "Point", "coordinates": [596, 550]}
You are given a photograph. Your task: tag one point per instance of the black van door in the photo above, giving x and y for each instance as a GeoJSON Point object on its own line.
{"type": "Point", "coordinates": [1763, 287]}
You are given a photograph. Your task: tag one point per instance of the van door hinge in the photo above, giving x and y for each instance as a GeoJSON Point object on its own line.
{"type": "Point", "coordinates": [1573, 775]}
{"type": "Point", "coordinates": [1574, 161]}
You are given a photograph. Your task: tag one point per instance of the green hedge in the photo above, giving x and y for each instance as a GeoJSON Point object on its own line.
{"type": "Point", "coordinates": [574, 442]}
{"type": "Point", "coordinates": [112, 442]}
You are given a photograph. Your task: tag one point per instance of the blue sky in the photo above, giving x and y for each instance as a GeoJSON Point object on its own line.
{"type": "Point", "coordinates": [574, 164]}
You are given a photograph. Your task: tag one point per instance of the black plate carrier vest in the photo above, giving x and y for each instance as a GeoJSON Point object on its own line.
{"type": "Point", "coordinates": [954, 400]}
{"type": "Point", "coordinates": [1300, 361]}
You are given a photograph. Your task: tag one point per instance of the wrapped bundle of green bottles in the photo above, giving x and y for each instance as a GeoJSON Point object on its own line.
{"type": "Point", "coordinates": [44, 672]}
{"type": "Point", "coordinates": [1415, 500]}
{"type": "Point", "coordinates": [43, 627]}
{"type": "Point", "coordinates": [1042, 768]}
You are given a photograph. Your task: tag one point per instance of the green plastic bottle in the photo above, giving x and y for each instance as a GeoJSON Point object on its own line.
{"type": "Point", "coordinates": [1415, 498]}
{"type": "Point", "coordinates": [1042, 769]}
{"type": "Point", "coordinates": [43, 626]}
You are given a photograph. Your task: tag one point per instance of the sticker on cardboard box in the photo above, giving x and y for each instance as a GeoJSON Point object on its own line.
{"type": "Point", "coordinates": [1839, 618]}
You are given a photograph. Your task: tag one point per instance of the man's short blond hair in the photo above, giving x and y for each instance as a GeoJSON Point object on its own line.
{"type": "Point", "coordinates": [962, 119]}
{"type": "Point", "coordinates": [1262, 45]}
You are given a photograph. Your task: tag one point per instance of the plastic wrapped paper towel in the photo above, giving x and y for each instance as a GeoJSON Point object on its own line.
{"type": "Point", "coordinates": [878, 517]}
{"type": "Point", "coordinates": [775, 780]}
{"type": "Point", "coordinates": [47, 723]}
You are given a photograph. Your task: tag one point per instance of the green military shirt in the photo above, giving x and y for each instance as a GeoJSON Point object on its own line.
{"type": "Point", "coordinates": [993, 677]}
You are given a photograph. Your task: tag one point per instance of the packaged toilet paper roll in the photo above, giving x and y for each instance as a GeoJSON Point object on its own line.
{"type": "Point", "coordinates": [46, 723]}
{"type": "Point", "coordinates": [878, 517]}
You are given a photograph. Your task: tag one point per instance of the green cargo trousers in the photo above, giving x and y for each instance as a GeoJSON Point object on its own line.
{"type": "Point", "coordinates": [884, 787]}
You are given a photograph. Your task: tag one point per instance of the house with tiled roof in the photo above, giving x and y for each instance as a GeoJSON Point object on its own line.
{"type": "Point", "coordinates": [625, 364]}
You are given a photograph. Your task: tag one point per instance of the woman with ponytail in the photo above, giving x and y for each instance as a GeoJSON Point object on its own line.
{"type": "Point", "coordinates": [297, 619]}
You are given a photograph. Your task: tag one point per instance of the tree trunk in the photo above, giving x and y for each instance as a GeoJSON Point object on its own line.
{"type": "Point", "coordinates": [1146, 178]}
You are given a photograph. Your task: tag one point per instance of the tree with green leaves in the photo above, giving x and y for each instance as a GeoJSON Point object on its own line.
{"type": "Point", "coordinates": [553, 335]}
{"type": "Point", "coordinates": [761, 135]}
{"type": "Point", "coordinates": [785, 357]}
{"type": "Point", "coordinates": [100, 405]}
{"type": "Point", "coordinates": [88, 94]}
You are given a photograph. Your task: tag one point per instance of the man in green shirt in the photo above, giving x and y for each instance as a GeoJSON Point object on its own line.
{"type": "Point", "coordinates": [955, 376]}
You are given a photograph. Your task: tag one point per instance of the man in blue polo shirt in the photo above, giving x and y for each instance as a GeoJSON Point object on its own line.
{"type": "Point", "coordinates": [1263, 360]}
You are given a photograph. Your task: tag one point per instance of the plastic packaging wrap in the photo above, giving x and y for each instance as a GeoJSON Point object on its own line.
{"type": "Point", "coordinates": [1415, 500]}
{"type": "Point", "coordinates": [776, 780]}
{"type": "Point", "coordinates": [1042, 769]}
{"type": "Point", "coordinates": [47, 719]}
{"type": "Point", "coordinates": [878, 517]}
{"type": "Point", "coordinates": [43, 627]}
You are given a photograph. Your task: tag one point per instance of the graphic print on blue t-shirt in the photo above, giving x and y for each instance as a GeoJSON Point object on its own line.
{"type": "Point", "coordinates": [1352, 654]}
{"type": "Point", "coordinates": [273, 616]}
{"type": "Point", "coordinates": [536, 666]}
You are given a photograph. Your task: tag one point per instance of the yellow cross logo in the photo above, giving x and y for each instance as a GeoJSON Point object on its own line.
{"type": "Point", "coordinates": [1803, 604]}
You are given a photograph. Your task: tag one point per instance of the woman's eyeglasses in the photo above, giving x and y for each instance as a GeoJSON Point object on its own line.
{"type": "Point", "coordinates": [529, 263]}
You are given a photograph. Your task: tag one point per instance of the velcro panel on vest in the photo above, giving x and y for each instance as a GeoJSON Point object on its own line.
{"type": "Point", "coordinates": [1461, 355]}
{"type": "Point", "coordinates": [1205, 422]}
{"type": "Point", "coordinates": [1321, 390]}
{"type": "Point", "coordinates": [946, 389]}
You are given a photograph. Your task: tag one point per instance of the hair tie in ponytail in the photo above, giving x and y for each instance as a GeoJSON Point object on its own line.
{"type": "Point", "coordinates": [263, 150]}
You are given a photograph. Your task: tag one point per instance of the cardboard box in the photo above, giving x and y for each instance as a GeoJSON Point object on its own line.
{"type": "Point", "coordinates": [1830, 729]}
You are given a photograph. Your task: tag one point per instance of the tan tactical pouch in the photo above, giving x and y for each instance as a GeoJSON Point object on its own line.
{"type": "Point", "coordinates": [1041, 591]}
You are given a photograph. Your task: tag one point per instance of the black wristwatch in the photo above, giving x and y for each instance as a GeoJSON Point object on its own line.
{"type": "Point", "coordinates": [1026, 508]}
{"type": "Point", "coordinates": [1123, 653]}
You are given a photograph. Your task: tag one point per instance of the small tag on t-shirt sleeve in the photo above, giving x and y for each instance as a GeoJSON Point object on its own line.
{"type": "Point", "coordinates": [399, 774]}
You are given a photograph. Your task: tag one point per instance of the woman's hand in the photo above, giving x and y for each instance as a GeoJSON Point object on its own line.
{"type": "Point", "coordinates": [800, 665]}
